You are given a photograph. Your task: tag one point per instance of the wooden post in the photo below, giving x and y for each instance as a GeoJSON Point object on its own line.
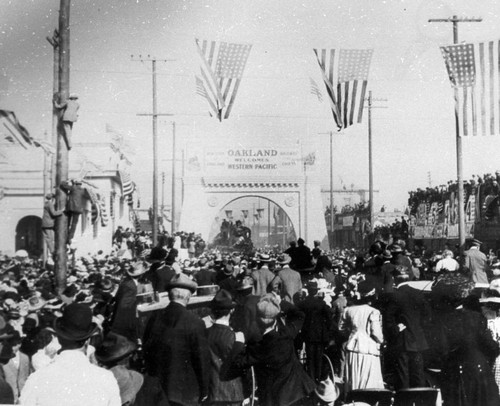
{"type": "Point", "coordinates": [61, 223]}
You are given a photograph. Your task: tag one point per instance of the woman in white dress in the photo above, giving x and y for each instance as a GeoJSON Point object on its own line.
{"type": "Point", "coordinates": [363, 324]}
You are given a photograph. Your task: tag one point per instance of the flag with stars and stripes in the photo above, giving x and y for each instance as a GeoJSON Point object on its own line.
{"type": "Point", "coordinates": [474, 72]}
{"type": "Point", "coordinates": [127, 184]}
{"type": "Point", "coordinates": [221, 72]}
{"type": "Point", "coordinates": [345, 76]}
{"type": "Point", "coordinates": [12, 129]}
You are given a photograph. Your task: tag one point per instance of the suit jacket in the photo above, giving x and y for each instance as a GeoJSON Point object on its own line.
{"type": "Point", "coordinates": [49, 214]}
{"type": "Point", "coordinates": [409, 307]}
{"type": "Point", "coordinates": [318, 320]}
{"type": "Point", "coordinates": [281, 379]}
{"type": "Point", "coordinates": [262, 278]}
{"type": "Point", "coordinates": [205, 277]}
{"type": "Point", "coordinates": [77, 196]}
{"type": "Point", "coordinates": [16, 377]}
{"type": "Point", "coordinates": [477, 264]}
{"type": "Point", "coordinates": [176, 350]}
{"type": "Point", "coordinates": [291, 283]}
{"type": "Point", "coordinates": [244, 317]}
{"type": "Point", "coordinates": [222, 388]}
{"type": "Point", "coordinates": [125, 320]}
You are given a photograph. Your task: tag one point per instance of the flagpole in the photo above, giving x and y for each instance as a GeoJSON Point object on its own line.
{"type": "Point", "coordinates": [461, 212]}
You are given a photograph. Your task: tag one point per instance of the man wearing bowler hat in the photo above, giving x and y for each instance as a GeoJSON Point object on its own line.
{"type": "Point", "coordinates": [476, 263]}
{"type": "Point", "coordinates": [223, 390]}
{"type": "Point", "coordinates": [176, 348]}
{"type": "Point", "coordinates": [125, 320]}
{"type": "Point", "coordinates": [71, 379]}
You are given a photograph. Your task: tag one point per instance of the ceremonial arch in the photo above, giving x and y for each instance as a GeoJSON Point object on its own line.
{"type": "Point", "coordinates": [217, 176]}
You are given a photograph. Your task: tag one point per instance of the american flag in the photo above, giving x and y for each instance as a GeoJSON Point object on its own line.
{"type": "Point", "coordinates": [127, 184]}
{"type": "Point", "coordinates": [473, 70]}
{"type": "Point", "coordinates": [221, 71]}
{"type": "Point", "coordinates": [12, 129]}
{"type": "Point", "coordinates": [345, 75]}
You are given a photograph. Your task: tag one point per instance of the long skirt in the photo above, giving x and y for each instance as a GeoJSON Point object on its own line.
{"type": "Point", "coordinates": [362, 371]}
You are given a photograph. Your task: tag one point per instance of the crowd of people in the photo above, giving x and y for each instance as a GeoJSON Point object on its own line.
{"type": "Point", "coordinates": [486, 187]}
{"type": "Point", "coordinates": [298, 327]}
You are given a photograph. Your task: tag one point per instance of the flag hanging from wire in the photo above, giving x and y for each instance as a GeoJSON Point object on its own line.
{"type": "Point", "coordinates": [12, 129]}
{"type": "Point", "coordinates": [345, 76]}
{"type": "Point", "coordinates": [221, 71]}
{"type": "Point", "coordinates": [473, 70]}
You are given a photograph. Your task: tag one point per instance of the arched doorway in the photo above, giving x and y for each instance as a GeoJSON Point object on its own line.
{"type": "Point", "coordinates": [29, 235]}
{"type": "Point", "coordinates": [265, 222]}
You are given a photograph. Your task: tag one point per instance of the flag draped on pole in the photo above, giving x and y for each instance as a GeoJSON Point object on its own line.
{"type": "Point", "coordinates": [13, 130]}
{"type": "Point", "coordinates": [222, 69]}
{"type": "Point", "coordinates": [345, 75]}
{"type": "Point", "coordinates": [473, 70]}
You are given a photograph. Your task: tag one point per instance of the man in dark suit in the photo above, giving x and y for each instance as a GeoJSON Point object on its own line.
{"type": "Point", "coordinates": [48, 221]}
{"type": "Point", "coordinates": [303, 256]}
{"type": "Point", "coordinates": [125, 321]}
{"type": "Point", "coordinates": [317, 329]}
{"type": "Point", "coordinates": [75, 205]}
{"type": "Point", "coordinates": [406, 314]}
{"type": "Point", "coordinates": [176, 348]}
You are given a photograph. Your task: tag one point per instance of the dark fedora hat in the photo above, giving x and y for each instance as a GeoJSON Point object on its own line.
{"type": "Point", "coordinates": [222, 300]}
{"type": "Point", "coordinates": [157, 254]}
{"type": "Point", "coordinates": [76, 323]}
{"type": "Point", "coordinates": [228, 269]}
{"type": "Point", "coordinates": [245, 283]}
{"type": "Point", "coordinates": [114, 348]}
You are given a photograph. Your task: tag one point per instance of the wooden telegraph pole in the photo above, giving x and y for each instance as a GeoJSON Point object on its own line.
{"type": "Point", "coordinates": [61, 226]}
{"type": "Point", "coordinates": [370, 155]}
{"type": "Point", "coordinates": [54, 41]}
{"type": "Point", "coordinates": [461, 212]}
{"type": "Point", "coordinates": [154, 115]}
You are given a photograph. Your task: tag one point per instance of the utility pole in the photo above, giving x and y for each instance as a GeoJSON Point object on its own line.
{"type": "Point", "coordinates": [61, 223]}
{"type": "Point", "coordinates": [54, 41]}
{"type": "Point", "coordinates": [173, 178]}
{"type": "Point", "coordinates": [330, 236]}
{"type": "Point", "coordinates": [461, 212]}
{"type": "Point", "coordinates": [370, 155]}
{"type": "Point", "coordinates": [154, 115]}
{"type": "Point", "coordinates": [162, 194]}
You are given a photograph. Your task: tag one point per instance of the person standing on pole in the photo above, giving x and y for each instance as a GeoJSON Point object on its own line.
{"type": "Point", "coordinates": [75, 205]}
{"type": "Point", "coordinates": [69, 109]}
{"type": "Point", "coordinates": [49, 214]}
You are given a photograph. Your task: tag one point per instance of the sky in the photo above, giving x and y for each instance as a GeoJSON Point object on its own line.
{"type": "Point", "coordinates": [413, 131]}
